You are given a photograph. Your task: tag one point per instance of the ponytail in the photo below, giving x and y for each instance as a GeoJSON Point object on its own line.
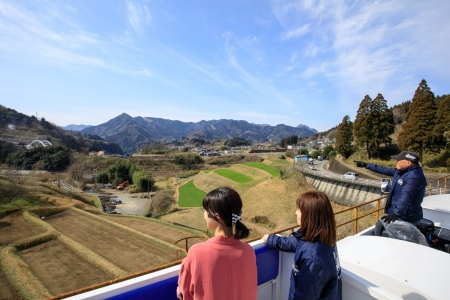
{"type": "Point", "coordinates": [240, 231]}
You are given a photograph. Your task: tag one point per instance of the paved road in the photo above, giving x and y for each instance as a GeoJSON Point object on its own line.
{"type": "Point", "coordinates": [321, 169]}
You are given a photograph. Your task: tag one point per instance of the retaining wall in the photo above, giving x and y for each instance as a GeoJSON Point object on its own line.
{"type": "Point", "coordinates": [346, 193]}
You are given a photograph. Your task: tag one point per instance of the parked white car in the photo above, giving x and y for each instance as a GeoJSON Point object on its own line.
{"type": "Point", "coordinates": [351, 175]}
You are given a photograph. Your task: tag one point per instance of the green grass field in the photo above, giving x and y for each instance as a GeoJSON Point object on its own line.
{"type": "Point", "coordinates": [190, 195]}
{"type": "Point", "coordinates": [233, 175]}
{"type": "Point", "coordinates": [282, 162]}
{"type": "Point", "coordinates": [274, 171]}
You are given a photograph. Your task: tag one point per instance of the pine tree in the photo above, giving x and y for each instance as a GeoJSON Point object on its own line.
{"type": "Point", "coordinates": [417, 130]}
{"type": "Point", "coordinates": [344, 137]}
{"type": "Point", "coordinates": [382, 123]}
{"type": "Point", "coordinates": [442, 128]}
{"type": "Point", "coordinates": [362, 127]}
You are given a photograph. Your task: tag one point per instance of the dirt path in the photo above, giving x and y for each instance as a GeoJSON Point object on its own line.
{"type": "Point", "coordinates": [14, 228]}
{"type": "Point", "coordinates": [54, 263]}
{"type": "Point", "coordinates": [121, 248]}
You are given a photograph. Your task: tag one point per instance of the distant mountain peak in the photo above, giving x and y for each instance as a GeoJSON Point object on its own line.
{"type": "Point", "coordinates": [306, 127]}
{"type": "Point", "coordinates": [74, 127]}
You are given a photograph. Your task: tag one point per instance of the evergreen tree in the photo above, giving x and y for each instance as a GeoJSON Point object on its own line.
{"type": "Point", "coordinates": [382, 121]}
{"type": "Point", "coordinates": [344, 137]}
{"type": "Point", "coordinates": [362, 127]}
{"type": "Point", "coordinates": [290, 140]}
{"type": "Point", "coordinates": [417, 130]}
{"type": "Point", "coordinates": [442, 128]}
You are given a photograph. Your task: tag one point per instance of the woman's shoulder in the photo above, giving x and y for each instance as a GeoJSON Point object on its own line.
{"type": "Point", "coordinates": [200, 247]}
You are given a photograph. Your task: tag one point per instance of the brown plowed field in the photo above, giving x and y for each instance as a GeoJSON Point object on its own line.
{"type": "Point", "coordinates": [54, 265]}
{"type": "Point", "coordinates": [160, 231]}
{"type": "Point", "coordinates": [14, 228]}
{"type": "Point", "coordinates": [123, 249]}
{"type": "Point", "coordinates": [7, 291]}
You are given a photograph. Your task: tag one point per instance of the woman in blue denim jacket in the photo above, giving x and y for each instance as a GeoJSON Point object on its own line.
{"type": "Point", "coordinates": [316, 272]}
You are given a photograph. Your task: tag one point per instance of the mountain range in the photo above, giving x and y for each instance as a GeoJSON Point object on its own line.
{"type": "Point", "coordinates": [133, 133]}
{"type": "Point", "coordinates": [74, 127]}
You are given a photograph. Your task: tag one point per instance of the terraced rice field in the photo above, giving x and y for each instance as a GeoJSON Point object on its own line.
{"type": "Point", "coordinates": [233, 175]}
{"type": "Point", "coordinates": [128, 252]}
{"type": "Point", "coordinates": [7, 290]}
{"type": "Point", "coordinates": [83, 250]}
{"type": "Point", "coordinates": [164, 232]}
{"type": "Point", "coordinates": [54, 264]}
{"type": "Point", "coordinates": [190, 195]}
{"type": "Point", "coordinates": [272, 170]}
{"type": "Point", "coordinates": [14, 228]}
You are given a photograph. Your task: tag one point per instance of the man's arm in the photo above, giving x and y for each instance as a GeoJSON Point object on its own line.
{"type": "Point", "coordinates": [381, 169]}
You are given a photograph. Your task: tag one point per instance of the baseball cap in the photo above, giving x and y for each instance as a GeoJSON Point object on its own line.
{"type": "Point", "coordinates": [412, 157]}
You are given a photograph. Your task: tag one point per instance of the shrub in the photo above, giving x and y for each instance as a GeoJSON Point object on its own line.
{"type": "Point", "coordinates": [290, 153]}
{"type": "Point", "coordinates": [188, 161]}
{"type": "Point", "coordinates": [142, 181]}
{"type": "Point", "coordinates": [161, 202]}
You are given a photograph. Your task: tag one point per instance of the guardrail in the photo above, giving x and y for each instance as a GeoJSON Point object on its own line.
{"type": "Point", "coordinates": [438, 186]}
{"type": "Point", "coordinates": [304, 168]}
{"type": "Point", "coordinates": [356, 217]}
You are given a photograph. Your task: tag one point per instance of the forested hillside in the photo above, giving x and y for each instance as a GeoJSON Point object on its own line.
{"type": "Point", "coordinates": [421, 125]}
{"type": "Point", "coordinates": [18, 130]}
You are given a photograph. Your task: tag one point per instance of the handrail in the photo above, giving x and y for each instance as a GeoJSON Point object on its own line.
{"type": "Point", "coordinates": [112, 281]}
{"type": "Point", "coordinates": [186, 246]}
{"type": "Point", "coordinates": [355, 219]}
{"type": "Point", "coordinates": [438, 184]}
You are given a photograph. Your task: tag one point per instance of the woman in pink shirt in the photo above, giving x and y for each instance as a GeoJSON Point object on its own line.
{"type": "Point", "coordinates": [223, 267]}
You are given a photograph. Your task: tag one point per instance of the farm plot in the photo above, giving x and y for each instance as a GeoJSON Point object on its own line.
{"type": "Point", "coordinates": [233, 175]}
{"type": "Point", "coordinates": [159, 230]}
{"type": "Point", "coordinates": [190, 195]}
{"type": "Point", "coordinates": [14, 228]}
{"type": "Point", "coordinates": [211, 181]}
{"type": "Point", "coordinates": [7, 291]}
{"type": "Point", "coordinates": [272, 170]}
{"type": "Point", "coordinates": [125, 250]}
{"type": "Point", "coordinates": [59, 269]}
{"type": "Point", "coordinates": [254, 173]}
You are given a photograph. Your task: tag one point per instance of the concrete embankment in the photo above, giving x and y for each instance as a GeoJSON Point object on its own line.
{"type": "Point", "coordinates": [346, 193]}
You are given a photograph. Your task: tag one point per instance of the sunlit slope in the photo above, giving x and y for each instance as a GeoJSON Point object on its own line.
{"type": "Point", "coordinates": [269, 202]}
{"type": "Point", "coordinates": [211, 181]}
{"type": "Point", "coordinates": [254, 173]}
{"type": "Point", "coordinates": [273, 202]}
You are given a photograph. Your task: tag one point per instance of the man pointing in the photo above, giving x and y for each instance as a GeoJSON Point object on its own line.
{"type": "Point", "coordinates": [407, 189]}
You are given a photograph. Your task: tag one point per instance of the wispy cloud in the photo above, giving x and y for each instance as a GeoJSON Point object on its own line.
{"type": "Point", "coordinates": [296, 32]}
{"type": "Point", "coordinates": [51, 34]}
{"type": "Point", "coordinates": [366, 45]}
{"type": "Point", "coordinates": [261, 88]}
{"type": "Point", "coordinates": [35, 33]}
{"type": "Point", "coordinates": [138, 15]}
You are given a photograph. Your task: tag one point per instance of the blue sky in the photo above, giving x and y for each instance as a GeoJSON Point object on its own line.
{"type": "Point", "coordinates": [267, 62]}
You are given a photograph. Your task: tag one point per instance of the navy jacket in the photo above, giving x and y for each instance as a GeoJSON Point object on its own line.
{"type": "Point", "coordinates": [406, 192]}
{"type": "Point", "coordinates": [316, 272]}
